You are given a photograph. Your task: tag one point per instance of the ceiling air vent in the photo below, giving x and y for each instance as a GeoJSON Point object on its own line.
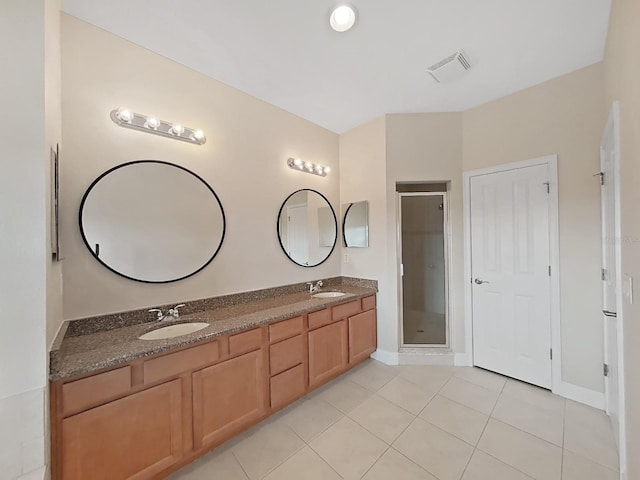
{"type": "Point", "coordinates": [450, 68]}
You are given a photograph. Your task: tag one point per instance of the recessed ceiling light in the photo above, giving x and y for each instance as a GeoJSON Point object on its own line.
{"type": "Point", "coordinates": [342, 18]}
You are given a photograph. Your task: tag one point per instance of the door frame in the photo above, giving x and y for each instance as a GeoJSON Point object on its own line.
{"type": "Point", "coordinates": [447, 248]}
{"type": "Point", "coordinates": [613, 128]}
{"type": "Point", "coordinates": [551, 161]}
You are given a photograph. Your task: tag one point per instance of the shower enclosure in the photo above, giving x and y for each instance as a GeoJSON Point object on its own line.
{"type": "Point", "coordinates": [424, 236]}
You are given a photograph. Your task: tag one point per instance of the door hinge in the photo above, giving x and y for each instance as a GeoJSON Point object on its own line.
{"type": "Point", "coordinates": [549, 270]}
{"type": "Point", "coordinates": [603, 274]}
{"type": "Point", "coordinates": [551, 354]}
{"type": "Point", "coordinates": [605, 370]}
{"type": "Point", "coordinates": [402, 269]}
{"type": "Point", "coordinates": [548, 185]}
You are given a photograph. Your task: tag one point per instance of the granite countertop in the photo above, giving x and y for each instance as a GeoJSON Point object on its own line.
{"type": "Point", "coordinates": [82, 354]}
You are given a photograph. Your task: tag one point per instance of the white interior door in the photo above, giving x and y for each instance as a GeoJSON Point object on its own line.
{"type": "Point", "coordinates": [510, 267]}
{"type": "Point", "coordinates": [609, 276]}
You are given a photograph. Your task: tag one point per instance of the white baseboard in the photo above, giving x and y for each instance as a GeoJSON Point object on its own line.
{"type": "Point", "coordinates": [384, 356]}
{"type": "Point", "coordinates": [462, 360]}
{"type": "Point", "coordinates": [39, 474]}
{"type": "Point", "coordinates": [581, 395]}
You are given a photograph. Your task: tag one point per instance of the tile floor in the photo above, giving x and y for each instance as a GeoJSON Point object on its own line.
{"type": "Point", "coordinates": [420, 423]}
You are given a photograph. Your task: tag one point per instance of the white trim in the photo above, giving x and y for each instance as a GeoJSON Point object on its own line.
{"type": "Point", "coordinates": [462, 360]}
{"type": "Point", "coordinates": [554, 257]}
{"type": "Point", "coordinates": [613, 123]}
{"type": "Point", "coordinates": [580, 394]}
{"type": "Point", "coordinates": [385, 356]}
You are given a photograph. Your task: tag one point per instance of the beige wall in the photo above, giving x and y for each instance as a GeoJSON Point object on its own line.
{"type": "Point", "coordinates": [29, 103]}
{"type": "Point", "coordinates": [363, 177]}
{"type": "Point", "coordinates": [427, 147]}
{"type": "Point", "coordinates": [622, 83]}
{"type": "Point", "coordinates": [244, 160]}
{"type": "Point", "coordinates": [563, 116]}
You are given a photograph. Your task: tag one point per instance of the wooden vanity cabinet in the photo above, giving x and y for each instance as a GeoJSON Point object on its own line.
{"type": "Point", "coordinates": [147, 418]}
{"type": "Point", "coordinates": [328, 355]}
{"type": "Point", "coordinates": [362, 336]}
{"type": "Point", "coordinates": [227, 397]}
{"type": "Point", "coordinates": [135, 437]}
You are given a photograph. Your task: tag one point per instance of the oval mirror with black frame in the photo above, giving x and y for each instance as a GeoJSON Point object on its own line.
{"type": "Point", "coordinates": [355, 225]}
{"type": "Point", "coordinates": [307, 228]}
{"type": "Point", "coordinates": [152, 221]}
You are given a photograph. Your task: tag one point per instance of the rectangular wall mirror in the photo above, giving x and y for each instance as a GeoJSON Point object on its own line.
{"type": "Point", "coordinates": [355, 225]}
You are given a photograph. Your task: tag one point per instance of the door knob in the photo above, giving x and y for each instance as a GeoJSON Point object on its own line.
{"type": "Point", "coordinates": [477, 281]}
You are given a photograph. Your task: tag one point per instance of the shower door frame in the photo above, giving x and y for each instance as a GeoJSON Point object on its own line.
{"type": "Point", "coordinates": [447, 249]}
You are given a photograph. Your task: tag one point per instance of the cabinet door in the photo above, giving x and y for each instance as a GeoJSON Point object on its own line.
{"type": "Point", "coordinates": [362, 336]}
{"type": "Point", "coordinates": [228, 397]}
{"type": "Point", "coordinates": [327, 352]}
{"type": "Point", "coordinates": [132, 438]}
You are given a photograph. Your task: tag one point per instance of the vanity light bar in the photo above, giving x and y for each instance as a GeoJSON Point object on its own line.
{"type": "Point", "coordinates": [150, 124]}
{"type": "Point", "coordinates": [308, 167]}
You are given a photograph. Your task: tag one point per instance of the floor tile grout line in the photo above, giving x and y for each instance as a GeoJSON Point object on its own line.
{"type": "Point", "coordinates": [475, 447]}
{"type": "Point", "coordinates": [325, 428]}
{"type": "Point", "coordinates": [376, 461]}
{"type": "Point", "coordinates": [503, 462]}
{"type": "Point", "coordinates": [240, 465]}
{"type": "Point", "coordinates": [418, 465]}
{"type": "Point", "coordinates": [324, 460]}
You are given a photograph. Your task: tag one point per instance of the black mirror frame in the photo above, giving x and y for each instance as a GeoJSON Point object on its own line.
{"type": "Point", "coordinates": [122, 165]}
{"type": "Point", "coordinates": [335, 222]}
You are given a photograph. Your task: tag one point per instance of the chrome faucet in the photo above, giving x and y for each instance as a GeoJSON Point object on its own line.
{"type": "Point", "coordinates": [173, 313]}
{"type": "Point", "coordinates": [315, 287]}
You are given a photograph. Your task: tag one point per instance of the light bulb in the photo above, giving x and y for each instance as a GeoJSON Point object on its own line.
{"type": "Point", "coordinates": [327, 169]}
{"type": "Point", "coordinates": [297, 162]}
{"type": "Point", "coordinates": [319, 169]}
{"type": "Point", "coordinates": [308, 166]}
{"type": "Point", "coordinates": [125, 115]}
{"type": "Point", "coordinates": [152, 123]}
{"type": "Point", "coordinates": [198, 135]}
{"type": "Point", "coordinates": [342, 18]}
{"type": "Point", "coordinates": [177, 129]}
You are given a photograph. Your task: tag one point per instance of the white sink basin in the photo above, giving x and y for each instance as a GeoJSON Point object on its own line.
{"type": "Point", "coordinates": [328, 294]}
{"type": "Point", "coordinates": [173, 331]}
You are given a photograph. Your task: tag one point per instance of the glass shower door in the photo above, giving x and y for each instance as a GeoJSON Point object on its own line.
{"type": "Point", "coordinates": [423, 227]}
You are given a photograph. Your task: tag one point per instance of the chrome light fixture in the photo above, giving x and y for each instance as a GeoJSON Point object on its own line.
{"type": "Point", "coordinates": [308, 167]}
{"type": "Point", "coordinates": [150, 124]}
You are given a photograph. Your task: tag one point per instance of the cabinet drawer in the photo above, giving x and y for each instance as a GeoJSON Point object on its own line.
{"type": "Point", "coordinates": [285, 329]}
{"type": "Point", "coordinates": [180, 362]}
{"type": "Point", "coordinates": [287, 386]}
{"type": "Point", "coordinates": [345, 310]}
{"type": "Point", "coordinates": [369, 303]}
{"type": "Point", "coordinates": [286, 354]}
{"type": "Point", "coordinates": [245, 342]}
{"type": "Point", "coordinates": [93, 390]}
{"type": "Point", "coordinates": [319, 318]}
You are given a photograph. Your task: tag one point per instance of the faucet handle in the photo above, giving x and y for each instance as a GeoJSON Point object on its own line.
{"type": "Point", "coordinates": [320, 283]}
{"type": "Point", "coordinates": [174, 311]}
{"type": "Point", "coordinates": [159, 314]}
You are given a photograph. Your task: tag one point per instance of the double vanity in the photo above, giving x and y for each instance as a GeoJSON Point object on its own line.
{"type": "Point", "coordinates": [123, 407]}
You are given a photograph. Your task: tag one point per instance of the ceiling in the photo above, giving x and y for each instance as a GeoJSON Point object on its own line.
{"type": "Point", "coordinates": [284, 52]}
